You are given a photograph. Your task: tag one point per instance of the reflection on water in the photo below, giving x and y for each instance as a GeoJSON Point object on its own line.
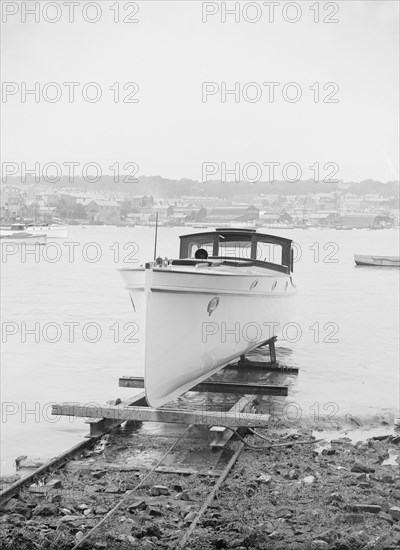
{"type": "Point", "coordinates": [344, 336]}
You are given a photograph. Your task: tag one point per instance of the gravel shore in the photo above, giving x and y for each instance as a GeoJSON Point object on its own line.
{"type": "Point", "coordinates": [335, 495]}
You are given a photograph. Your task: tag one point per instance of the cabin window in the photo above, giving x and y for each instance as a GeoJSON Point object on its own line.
{"type": "Point", "coordinates": [235, 249]}
{"type": "Point", "coordinates": [269, 252]}
{"type": "Point", "coordinates": [209, 246]}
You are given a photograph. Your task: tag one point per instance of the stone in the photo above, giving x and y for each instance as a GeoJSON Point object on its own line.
{"type": "Point", "coordinates": [329, 452]}
{"type": "Point", "coordinates": [113, 489]}
{"type": "Point", "coordinates": [308, 480]}
{"type": "Point", "coordinates": [190, 517]}
{"type": "Point", "coordinates": [153, 511]}
{"type": "Point", "coordinates": [362, 468]}
{"type": "Point", "coordinates": [79, 536]}
{"type": "Point", "coordinates": [98, 474]}
{"type": "Point", "coordinates": [318, 544]}
{"type": "Point", "coordinates": [264, 478]}
{"type": "Point", "coordinates": [394, 511]}
{"type": "Point", "coordinates": [182, 496]}
{"type": "Point", "coordinates": [370, 508]}
{"type": "Point", "coordinates": [25, 462]}
{"type": "Point", "coordinates": [137, 505]}
{"type": "Point", "coordinates": [101, 510]}
{"type": "Point", "coordinates": [71, 519]}
{"type": "Point", "coordinates": [276, 535]}
{"type": "Point", "coordinates": [157, 490]}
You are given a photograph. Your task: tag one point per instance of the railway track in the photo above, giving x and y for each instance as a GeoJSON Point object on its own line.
{"type": "Point", "coordinates": [142, 483]}
{"type": "Point", "coordinates": [127, 485]}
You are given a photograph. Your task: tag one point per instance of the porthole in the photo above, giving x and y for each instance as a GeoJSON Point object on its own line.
{"type": "Point", "coordinates": [274, 285]}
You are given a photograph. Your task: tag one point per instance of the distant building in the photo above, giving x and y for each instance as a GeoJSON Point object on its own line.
{"type": "Point", "coordinates": [358, 220]}
{"type": "Point", "coordinates": [352, 204]}
{"type": "Point", "coordinates": [46, 213]}
{"type": "Point", "coordinates": [149, 214]}
{"type": "Point", "coordinates": [103, 211]}
{"type": "Point", "coordinates": [141, 201]}
{"type": "Point", "coordinates": [229, 214]}
{"type": "Point", "coordinates": [12, 202]}
{"type": "Point", "coordinates": [190, 213]}
{"type": "Point", "coordinates": [276, 217]}
{"type": "Point", "coordinates": [324, 219]}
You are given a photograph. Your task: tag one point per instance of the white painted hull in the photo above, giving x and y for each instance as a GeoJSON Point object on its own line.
{"type": "Point", "coordinates": [52, 231]}
{"type": "Point", "coordinates": [378, 261]}
{"type": "Point", "coordinates": [186, 340]}
{"type": "Point", "coordinates": [21, 239]}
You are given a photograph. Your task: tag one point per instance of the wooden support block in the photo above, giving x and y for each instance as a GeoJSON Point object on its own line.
{"type": "Point", "coordinates": [101, 426]}
{"type": "Point", "coordinates": [148, 414]}
{"type": "Point", "coordinates": [223, 435]}
{"type": "Point", "coordinates": [217, 387]}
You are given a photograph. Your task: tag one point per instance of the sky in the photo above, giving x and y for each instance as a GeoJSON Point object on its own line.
{"type": "Point", "coordinates": [169, 54]}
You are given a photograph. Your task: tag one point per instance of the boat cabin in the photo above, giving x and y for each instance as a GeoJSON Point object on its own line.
{"type": "Point", "coordinates": [18, 227]}
{"type": "Point", "coordinates": [239, 247]}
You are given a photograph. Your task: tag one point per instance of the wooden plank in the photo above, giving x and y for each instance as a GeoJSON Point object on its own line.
{"type": "Point", "coordinates": [148, 414]}
{"type": "Point", "coordinates": [217, 387]}
{"type": "Point", "coordinates": [262, 366]}
{"type": "Point", "coordinates": [81, 466]}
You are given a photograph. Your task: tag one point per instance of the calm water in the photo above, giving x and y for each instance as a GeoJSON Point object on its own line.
{"type": "Point", "coordinates": [349, 356]}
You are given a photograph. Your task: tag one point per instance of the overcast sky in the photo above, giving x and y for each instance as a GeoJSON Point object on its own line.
{"type": "Point", "coordinates": [170, 52]}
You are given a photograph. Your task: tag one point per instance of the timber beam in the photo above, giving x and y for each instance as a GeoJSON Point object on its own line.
{"type": "Point", "coordinates": [217, 387]}
{"type": "Point", "coordinates": [261, 366]}
{"type": "Point", "coordinates": [123, 413]}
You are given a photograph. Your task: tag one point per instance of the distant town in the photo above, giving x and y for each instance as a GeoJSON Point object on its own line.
{"type": "Point", "coordinates": [368, 204]}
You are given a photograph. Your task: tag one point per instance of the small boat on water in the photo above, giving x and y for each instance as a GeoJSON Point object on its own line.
{"type": "Point", "coordinates": [21, 237]}
{"type": "Point", "coordinates": [229, 291]}
{"type": "Point", "coordinates": [379, 261]}
{"type": "Point", "coordinates": [51, 230]}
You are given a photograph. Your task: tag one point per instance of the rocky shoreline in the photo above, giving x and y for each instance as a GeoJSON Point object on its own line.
{"type": "Point", "coordinates": [329, 495]}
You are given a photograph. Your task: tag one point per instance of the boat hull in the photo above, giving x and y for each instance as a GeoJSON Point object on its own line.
{"type": "Point", "coordinates": [23, 238]}
{"type": "Point", "coordinates": [197, 323]}
{"type": "Point", "coordinates": [377, 261]}
{"type": "Point", "coordinates": [52, 231]}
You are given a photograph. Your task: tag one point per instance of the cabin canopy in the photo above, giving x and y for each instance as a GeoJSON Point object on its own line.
{"type": "Point", "coordinates": [240, 244]}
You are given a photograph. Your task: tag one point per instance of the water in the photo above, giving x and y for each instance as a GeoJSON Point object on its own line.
{"type": "Point", "coordinates": [348, 360]}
